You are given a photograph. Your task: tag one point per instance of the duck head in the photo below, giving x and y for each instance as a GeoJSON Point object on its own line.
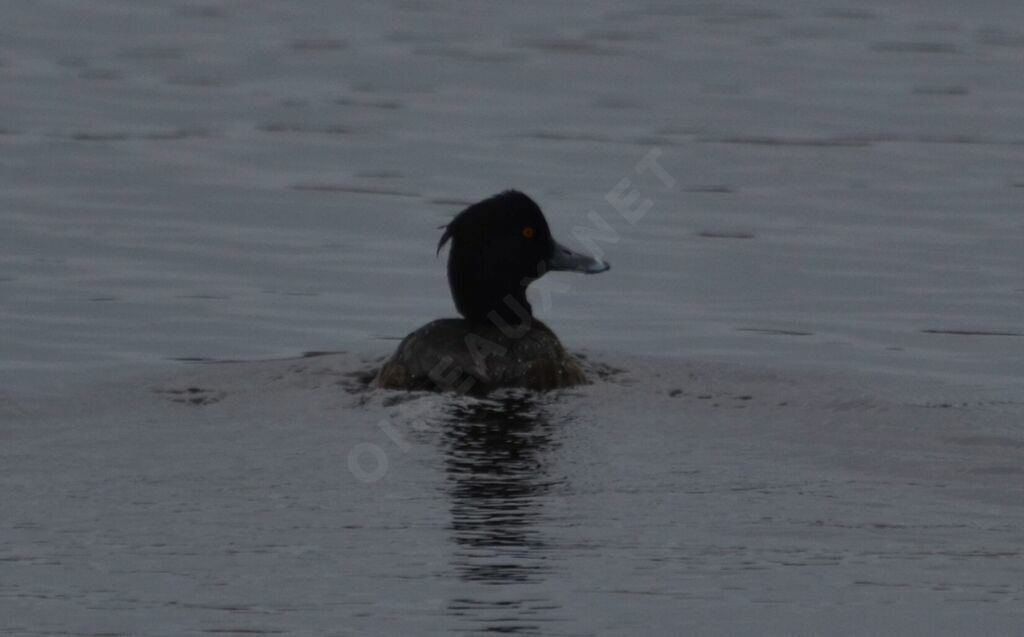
{"type": "Point", "coordinates": [499, 246]}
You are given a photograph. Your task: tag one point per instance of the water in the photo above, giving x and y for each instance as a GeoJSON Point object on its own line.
{"type": "Point", "coordinates": [829, 194]}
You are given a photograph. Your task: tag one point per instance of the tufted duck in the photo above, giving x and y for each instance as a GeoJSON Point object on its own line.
{"type": "Point", "coordinates": [498, 247]}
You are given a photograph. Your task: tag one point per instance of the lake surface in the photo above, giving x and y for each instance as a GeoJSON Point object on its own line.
{"type": "Point", "coordinates": [817, 207]}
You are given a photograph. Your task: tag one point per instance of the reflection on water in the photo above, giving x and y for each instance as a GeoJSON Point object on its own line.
{"type": "Point", "coordinates": [496, 458]}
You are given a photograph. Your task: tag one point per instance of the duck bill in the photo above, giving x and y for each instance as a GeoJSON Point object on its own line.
{"type": "Point", "coordinates": [565, 259]}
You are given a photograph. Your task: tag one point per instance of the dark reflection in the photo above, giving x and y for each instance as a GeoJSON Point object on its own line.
{"type": "Point", "coordinates": [496, 458]}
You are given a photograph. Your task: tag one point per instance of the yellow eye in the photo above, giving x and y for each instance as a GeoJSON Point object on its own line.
{"type": "Point", "coordinates": [528, 232]}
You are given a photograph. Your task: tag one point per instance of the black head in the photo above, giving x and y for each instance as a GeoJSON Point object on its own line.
{"type": "Point", "coordinates": [499, 246]}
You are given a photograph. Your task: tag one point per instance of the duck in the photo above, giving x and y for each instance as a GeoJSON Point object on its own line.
{"type": "Point", "coordinates": [498, 247]}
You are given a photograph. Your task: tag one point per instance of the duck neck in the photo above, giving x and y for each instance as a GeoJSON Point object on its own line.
{"type": "Point", "coordinates": [512, 311]}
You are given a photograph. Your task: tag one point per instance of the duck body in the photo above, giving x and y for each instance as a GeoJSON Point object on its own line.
{"type": "Point", "coordinates": [498, 247]}
{"type": "Point", "coordinates": [469, 357]}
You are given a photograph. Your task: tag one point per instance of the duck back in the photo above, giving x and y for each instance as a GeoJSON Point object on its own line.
{"type": "Point", "coordinates": [469, 357]}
